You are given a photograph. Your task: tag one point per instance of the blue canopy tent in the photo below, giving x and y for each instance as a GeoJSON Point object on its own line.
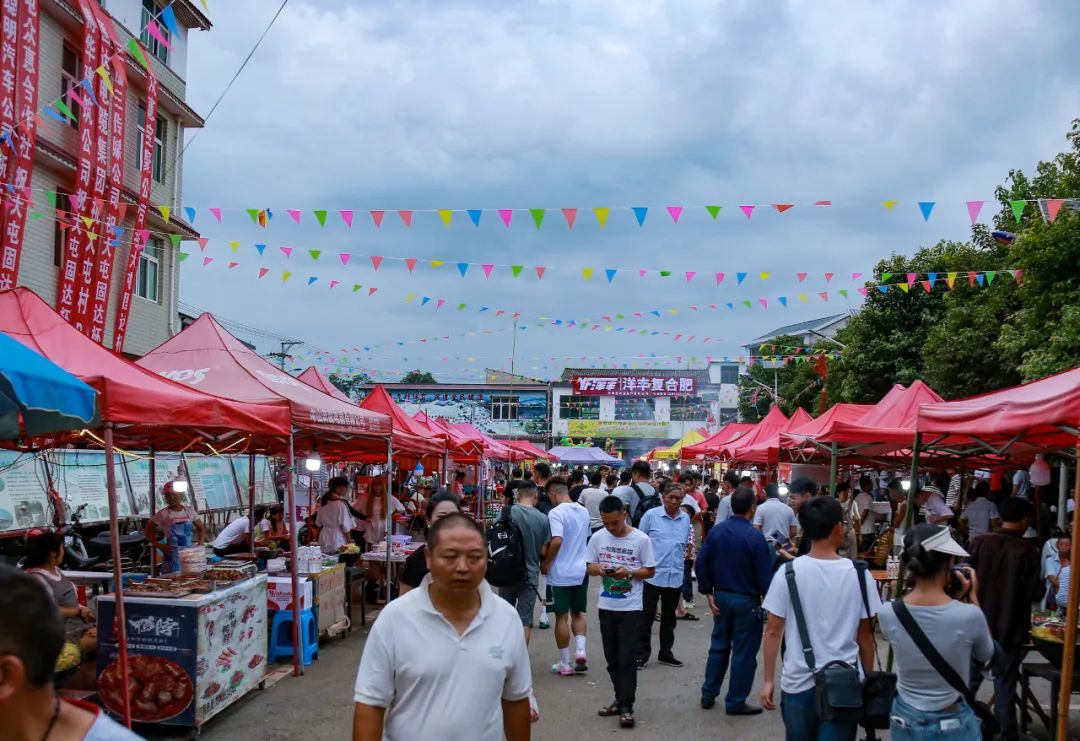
{"type": "Point", "coordinates": [38, 397]}
{"type": "Point", "coordinates": [575, 456]}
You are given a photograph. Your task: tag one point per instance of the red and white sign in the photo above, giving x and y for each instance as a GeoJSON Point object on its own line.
{"type": "Point", "coordinates": [279, 594]}
{"type": "Point", "coordinates": [636, 385]}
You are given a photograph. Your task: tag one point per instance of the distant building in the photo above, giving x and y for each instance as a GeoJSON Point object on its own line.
{"type": "Point", "coordinates": [809, 333]}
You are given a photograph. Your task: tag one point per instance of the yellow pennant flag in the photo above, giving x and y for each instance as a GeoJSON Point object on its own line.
{"type": "Point", "coordinates": [951, 279]}
{"type": "Point", "coordinates": [587, 272]}
{"type": "Point", "coordinates": [889, 204]}
{"type": "Point", "coordinates": [87, 220]}
{"type": "Point", "coordinates": [410, 297]}
{"type": "Point", "coordinates": [104, 75]}
{"type": "Point", "coordinates": [165, 212]}
{"type": "Point", "coordinates": [674, 311]}
{"type": "Point", "coordinates": [234, 245]}
{"type": "Point", "coordinates": [285, 276]}
{"type": "Point", "coordinates": [601, 215]}
{"type": "Point", "coordinates": [766, 276]}
{"type": "Point", "coordinates": [802, 297]}
{"type": "Point", "coordinates": [445, 214]}
{"type": "Point", "coordinates": [904, 287]}
{"type": "Point", "coordinates": [436, 263]}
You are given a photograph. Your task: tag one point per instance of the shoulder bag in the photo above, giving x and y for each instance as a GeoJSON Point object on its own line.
{"type": "Point", "coordinates": [879, 687]}
{"type": "Point", "coordinates": [989, 722]}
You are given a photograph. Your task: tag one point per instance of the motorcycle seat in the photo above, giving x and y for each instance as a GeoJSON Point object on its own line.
{"type": "Point", "coordinates": [103, 539]}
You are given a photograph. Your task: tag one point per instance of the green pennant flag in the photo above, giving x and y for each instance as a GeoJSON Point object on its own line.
{"type": "Point", "coordinates": [254, 214]}
{"type": "Point", "coordinates": [747, 303]}
{"type": "Point", "coordinates": [990, 275]}
{"type": "Point", "coordinates": [1018, 207]}
{"type": "Point", "coordinates": [136, 51]}
{"type": "Point", "coordinates": [460, 307]}
{"type": "Point", "coordinates": [538, 216]}
{"type": "Point", "coordinates": [843, 292]}
{"type": "Point", "coordinates": [63, 108]}
{"type": "Point", "coordinates": [516, 269]}
{"type": "Point", "coordinates": [714, 211]}
{"type": "Point", "coordinates": [885, 277]}
{"type": "Point", "coordinates": [35, 215]}
{"type": "Point", "coordinates": [176, 239]}
{"type": "Point", "coordinates": [183, 256]}
{"type": "Point", "coordinates": [321, 216]}
{"type": "Point", "coordinates": [50, 196]}
{"type": "Point", "coordinates": [665, 273]}
{"type": "Point", "coordinates": [356, 287]}
{"type": "Point", "coordinates": [620, 316]}
{"type": "Point", "coordinates": [314, 254]}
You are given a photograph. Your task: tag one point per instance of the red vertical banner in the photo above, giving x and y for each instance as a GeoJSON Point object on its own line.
{"type": "Point", "coordinates": [9, 45]}
{"type": "Point", "coordinates": [73, 300]}
{"type": "Point", "coordinates": [139, 233]}
{"type": "Point", "coordinates": [109, 238]}
{"type": "Point", "coordinates": [27, 113]}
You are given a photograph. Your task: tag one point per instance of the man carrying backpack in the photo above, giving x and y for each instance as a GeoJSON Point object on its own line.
{"type": "Point", "coordinates": [647, 498]}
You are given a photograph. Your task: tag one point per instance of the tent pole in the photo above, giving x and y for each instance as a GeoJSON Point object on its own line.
{"type": "Point", "coordinates": [251, 500]}
{"type": "Point", "coordinates": [913, 489]}
{"type": "Point", "coordinates": [290, 493]}
{"type": "Point", "coordinates": [1068, 661]}
{"type": "Point", "coordinates": [388, 513]}
{"type": "Point", "coordinates": [153, 502]}
{"type": "Point", "coordinates": [118, 574]}
{"type": "Point", "coordinates": [1063, 495]}
{"type": "Point", "coordinates": [832, 469]}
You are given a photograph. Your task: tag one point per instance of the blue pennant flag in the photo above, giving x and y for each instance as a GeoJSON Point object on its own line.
{"type": "Point", "coordinates": [783, 300]}
{"type": "Point", "coordinates": [610, 274]}
{"type": "Point", "coordinates": [423, 302]}
{"type": "Point", "coordinates": [463, 267]}
{"type": "Point", "coordinates": [926, 207]}
{"type": "Point", "coordinates": [640, 213]}
{"type": "Point", "coordinates": [655, 313]}
{"type": "Point", "coordinates": [474, 214]}
{"type": "Point", "coordinates": [261, 248]}
{"type": "Point", "coordinates": [311, 280]}
{"type": "Point", "coordinates": [740, 277]}
{"type": "Point", "coordinates": [190, 214]}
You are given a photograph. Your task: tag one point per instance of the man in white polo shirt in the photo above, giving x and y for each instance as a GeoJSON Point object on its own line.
{"type": "Point", "coordinates": [447, 660]}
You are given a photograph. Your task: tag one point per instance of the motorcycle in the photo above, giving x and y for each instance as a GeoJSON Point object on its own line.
{"type": "Point", "coordinates": [93, 552]}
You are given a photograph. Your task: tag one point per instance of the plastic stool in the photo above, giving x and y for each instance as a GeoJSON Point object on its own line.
{"type": "Point", "coordinates": [281, 636]}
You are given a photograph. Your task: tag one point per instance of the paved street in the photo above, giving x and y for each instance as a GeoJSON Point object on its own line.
{"type": "Point", "coordinates": [319, 705]}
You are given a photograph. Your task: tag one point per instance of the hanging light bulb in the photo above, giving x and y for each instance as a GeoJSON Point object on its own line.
{"type": "Point", "coordinates": [180, 486]}
{"type": "Point", "coordinates": [313, 462]}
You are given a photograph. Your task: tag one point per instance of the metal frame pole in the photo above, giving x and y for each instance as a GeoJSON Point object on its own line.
{"type": "Point", "coordinates": [832, 469]}
{"type": "Point", "coordinates": [388, 514]}
{"type": "Point", "coordinates": [1068, 660]}
{"type": "Point", "coordinates": [153, 502]}
{"type": "Point", "coordinates": [118, 575]}
{"type": "Point", "coordinates": [290, 493]}
{"type": "Point", "coordinates": [251, 498]}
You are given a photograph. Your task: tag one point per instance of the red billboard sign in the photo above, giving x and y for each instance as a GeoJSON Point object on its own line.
{"type": "Point", "coordinates": [644, 384]}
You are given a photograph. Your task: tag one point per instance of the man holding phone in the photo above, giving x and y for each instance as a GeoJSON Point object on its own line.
{"type": "Point", "coordinates": [623, 557]}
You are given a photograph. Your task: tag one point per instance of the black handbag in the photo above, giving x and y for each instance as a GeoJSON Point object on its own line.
{"type": "Point", "coordinates": [879, 687]}
{"type": "Point", "coordinates": [987, 719]}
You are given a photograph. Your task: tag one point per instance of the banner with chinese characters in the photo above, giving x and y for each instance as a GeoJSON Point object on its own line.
{"type": "Point", "coordinates": [634, 385]}
{"type": "Point", "coordinates": [498, 413]}
{"type": "Point", "coordinates": [595, 428]}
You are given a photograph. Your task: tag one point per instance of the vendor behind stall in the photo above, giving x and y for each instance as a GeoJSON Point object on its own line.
{"type": "Point", "coordinates": [273, 529]}
{"type": "Point", "coordinates": [334, 518]}
{"type": "Point", "coordinates": [235, 538]}
{"type": "Point", "coordinates": [179, 522]}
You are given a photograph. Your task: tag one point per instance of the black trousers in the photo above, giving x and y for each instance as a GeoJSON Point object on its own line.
{"type": "Point", "coordinates": [668, 599]}
{"type": "Point", "coordinates": [619, 633]}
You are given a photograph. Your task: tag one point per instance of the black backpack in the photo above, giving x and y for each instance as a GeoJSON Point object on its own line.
{"type": "Point", "coordinates": [506, 551]}
{"type": "Point", "coordinates": [645, 503]}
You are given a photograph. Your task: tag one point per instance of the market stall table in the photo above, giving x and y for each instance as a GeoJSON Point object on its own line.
{"type": "Point", "coordinates": [1029, 702]}
{"type": "Point", "coordinates": [191, 656]}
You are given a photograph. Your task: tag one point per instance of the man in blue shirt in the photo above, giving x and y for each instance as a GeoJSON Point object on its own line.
{"type": "Point", "coordinates": [734, 569]}
{"type": "Point", "coordinates": [668, 528]}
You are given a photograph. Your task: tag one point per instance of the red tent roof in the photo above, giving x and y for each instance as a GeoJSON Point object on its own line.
{"type": "Point", "coordinates": [146, 409]}
{"type": "Point", "coordinates": [533, 451]}
{"type": "Point", "coordinates": [726, 434]}
{"type": "Point", "coordinates": [460, 445]}
{"type": "Point", "coordinates": [312, 377]}
{"type": "Point", "coordinates": [766, 447]}
{"type": "Point", "coordinates": [768, 426]}
{"type": "Point", "coordinates": [410, 436]}
{"type": "Point", "coordinates": [889, 423]}
{"type": "Point", "coordinates": [493, 448]}
{"type": "Point", "coordinates": [795, 436]}
{"type": "Point", "coordinates": [1035, 413]}
{"type": "Point", "coordinates": [206, 356]}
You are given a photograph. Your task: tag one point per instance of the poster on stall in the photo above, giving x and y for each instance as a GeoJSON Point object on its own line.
{"type": "Point", "coordinates": [80, 478]}
{"type": "Point", "coordinates": [265, 493]}
{"type": "Point", "coordinates": [167, 467]}
{"type": "Point", "coordinates": [232, 647]}
{"type": "Point", "coordinates": [212, 481]}
{"type": "Point", "coordinates": [162, 644]}
{"type": "Point", "coordinates": [24, 502]}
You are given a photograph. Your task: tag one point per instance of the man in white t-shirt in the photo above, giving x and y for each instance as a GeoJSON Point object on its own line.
{"type": "Point", "coordinates": [864, 501]}
{"type": "Point", "coordinates": [980, 514]}
{"type": "Point", "coordinates": [623, 557]}
{"type": "Point", "coordinates": [937, 512]}
{"type": "Point", "coordinates": [775, 519]}
{"type": "Point", "coordinates": [448, 659]}
{"type": "Point", "coordinates": [1021, 484]}
{"type": "Point", "coordinates": [836, 621]}
{"type": "Point", "coordinates": [590, 499]}
{"type": "Point", "coordinates": [564, 566]}
{"type": "Point", "coordinates": [236, 536]}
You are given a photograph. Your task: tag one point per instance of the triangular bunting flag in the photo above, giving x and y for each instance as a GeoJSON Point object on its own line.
{"type": "Point", "coordinates": [315, 254]}
{"type": "Point", "coordinates": [587, 272]}
{"type": "Point", "coordinates": [803, 297]}
{"type": "Point", "coordinates": [537, 215]}
{"type": "Point", "coordinates": [165, 212]}
{"type": "Point", "coordinates": [719, 278]}
{"type": "Point", "coordinates": [487, 268]}
{"type": "Point", "coordinates": [410, 263]}
{"type": "Point", "coordinates": [843, 292]}
{"type": "Point", "coordinates": [406, 219]}
{"type": "Point", "coordinates": [516, 270]}
{"type": "Point", "coordinates": [801, 276]}
{"type": "Point", "coordinates": [261, 248]}
{"type": "Point", "coordinates": [344, 257]}
{"type": "Point", "coordinates": [690, 275]}
{"type": "Point", "coordinates": [254, 214]}
{"type": "Point", "coordinates": [371, 291]}
{"type": "Point", "coordinates": [183, 256]}
{"type": "Point", "coordinates": [781, 208]}
{"type": "Point", "coordinates": [570, 214]}
{"type": "Point", "coordinates": [950, 278]}
{"type": "Point", "coordinates": [714, 211]}
{"type": "Point", "coordinates": [640, 212]}
{"type": "Point", "coordinates": [203, 241]}
{"type": "Point", "coordinates": [311, 280]}
{"type": "Point", "coordinates": [911, 277]}
{"type": "Point", "coordinates": [285, 276]}
{"type": "Point", "coordinates": [601, 215]}
{"type": "Point", "coordinates": [190, 213]}
{"type": "Point", "coordinates": [347, 217]}
{"type": "Point", "coordinates": [425, 300]}
{"type": "Point", "coordinates": [294, 213]}
{"type": "Point", "coordinates": [824, 295]}
{"type": "Point", "coordinates": [927, 285]}
{"type": "Point", "coordinates": [506, 214]}
{"type": "Point", "coordinates": [1016, 274]}
{"type": "Point", "coordinates": [675, 212]}
{"type": "Point", "coordinates": [665, 273]}
{"type": "Point", "coordinates": [748, 210]}
{"type": "Point", "coordinates": [287, 251]}
{"type": "Point", "coordinates": [990, 275]}
{"type": "Point", "coordinates": [974, 207]}
{"type": "Point", "coordinates": [926, 207]}
{"type": "Point", "coordinates": [439, 303]}
{"type": "Point", "coordinates": [740, 277]}
{"type": "Point", "coordinates": [233, 265]}
{"type": "Point", "coordinates": [889, 205]}
{"type": "Point", "coordinates": [1018, 207]}
{"type": "Point", "coordinates": [356, 287]}
{"type": "Point", "coordinates": [885, 277]}
{"type": "Point", "coordinates": [748, 303]}
{"type": "Point", "coordinates": [474, 215]}
{"type": "Point", "coordinates": [174, 238]}
{"type": "Point", "coordinates": [463, 267]}
{"type": "Point", "coordinates": [377, 217]}
{"type": "Point", "coordinates": [263, 272]}
{"type": "Point", "coordinates": [539, 271]}
{"type": "Point", "coordinates": [856, 276]}
{"type": "Point", "coordinates": [1053, 207]}
{"type": "Point", "coordinates": [766, 276]}
{"type": "Point", "coordinates": [782, 300]}
{"type": "Point", "coordinates": [610, 272]}
{"type": "Point", "coordinates": [334, 284]}
{"type": "Point", "coordinates": [445, 214]}
{"type": "Point", "coordinates": [136, 51]}
{"type": "Point", "coordinates": [980, 279]}
{"type": "Point", "coordinates": [320, 216]}
{"type": "Point", "coordinates": [376, 261]}
{"type": "Point", "coordinates": [905, 287]}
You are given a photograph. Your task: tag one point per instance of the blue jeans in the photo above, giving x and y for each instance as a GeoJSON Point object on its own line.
{"type": "Point", "coordinates": [801, 722]}
{"type": "Point", "coordinates": [736, 630]}
{"type": "Point", "coordinates": [687, 581]}
{"type": "Point", "coordinates": [909, 724]}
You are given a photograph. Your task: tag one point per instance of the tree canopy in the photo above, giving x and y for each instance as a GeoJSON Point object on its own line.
{"type": "Point", "coordinates": [351, 385]}
{"type": "Point", "coordinates": [418, 376]}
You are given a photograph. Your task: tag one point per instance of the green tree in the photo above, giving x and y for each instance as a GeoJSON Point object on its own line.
{"type": "Point", "coordinates": [797, 380]}
{"type": "Point", "coordinates": [418, 376]}
{"type": "Point", "coordinates": [351, 385]}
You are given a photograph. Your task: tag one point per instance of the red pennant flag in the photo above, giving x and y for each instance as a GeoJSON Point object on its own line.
{"type": "Point", "coordinates": [927, 286]}
{"type": "Point", "coordinates": [344, 257]}
{"type": "Point", "coordinates": [233, 265]}
{"type": "Point", "coordinates": [1016, 275]}
{"type": "Point", "coordinates": [406, 217]}
{"type": "Point", "coordinates": [540, 272]}
{"type": "Point", "coordinates": [376, 261]}
{"type": "Point", "coordinates": [371, 291]}
{"type": "Point", "coordinates": [570, 214]}
{"type": "Point", "coordinates": [782, 207]}
{"type": "Point", "coordinates": [500, 312]}
{"type": "Point", "coordinates": [801, 276]}
{"type": "Point", "coordinates": [410, 263]}
{"type": "Point", "coordinates": [1053, 207]}
{"type": "Point", "coordinates": [824, 295]}
{"type": "Point", "coordinates": [377, 217]}
{"type": "Point", "coordinates": [203, 241]}
{"type": "Point", "coordinates": [263, 272]}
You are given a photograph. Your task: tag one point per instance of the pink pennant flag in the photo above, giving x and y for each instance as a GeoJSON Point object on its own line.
{"type": "Point", "coordinates": [719, 278]}
{"type": "Point", "coordinates": [856, 276]}
{"type": "Point", "coordinates": [203, 241]}
{"type": "Point", "coordinates": [233, 265]}
{"type": "Point", "coordinates": [287, 251]}
{"type": "Point", "coordinates": [154, 30]}
{"type": "Point", "coordinates": [344, 257]}
{"type": "Point", "coordinates": [829, 277]}
{"type": "Point", "coordinates": [974, 207]}
{"type": "Point", "coordinates": [516, 314]}
{"type": "Point", "coordinates": [911, 279]}
{"type": "Point", "coordinates": [294, 213]}
{"type": "Point", "coordinates": [206, 261]}
{"type": "Point", "coordinates": [216, 212]}
{"type": "Point", "coordinates": [764, 302]}
{"type": "Point", "coordinates": [801, 276]}
{"type": "Point", "coordinates": [864, 291]}
{"type": "Point", "coordinates": [487, 268]}
{"type": "Point", "coordinates": [347, 217]}
{"type": "Point", "coordinates": [822, 203]}
{"type": "Point", "coordinates": [539, 272]}
{"type": "Point", "coordinates": [638, 314]}
{"type": "Point", "coordinates": [1053, 208]}
{"type": "Point", "coordinates": [334, 283]}
{"type": "Point", "coordinates": [690, 275]}
{"type": "Point", "coordinates": [570, 214]}
{"type": "Point", "coordinates": [748, 210]}
{"type": "Point", "coordinates": [439, 303]}
{"type": "Point", "coordinates": [824, 295]}
{"type": "Point", "coordinates": [376, 261]}
{"type": "Point", "coordinates": [500, 312]}
{"type": "Point", "coordinates": [371, 291]}
{"type": "Point", "coordinates": [675, 212]}
{"type": "Point", "coordinates": [377, 217]}
{"type": "Point", "coordinates": [642, 273]}
{"type": "Point", "coordinates": [406, 217]}
{"type": "Point", "coordinates": [606, 319]}
{"type": "Point", "coordinates": [506, 214]}
{"type": "Point", "coordinates": [410, 263]}
{"type": "Point", "coordinates": [1016, 275]}
{"type": "Point", "coordinates": [263, 272]}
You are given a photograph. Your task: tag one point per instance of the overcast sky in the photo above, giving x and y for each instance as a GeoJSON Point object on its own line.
{"type": "Point", "coordinates": [461, 104]}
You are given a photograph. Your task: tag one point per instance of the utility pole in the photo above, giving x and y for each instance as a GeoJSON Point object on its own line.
{"type": "Point", "coordinates": [286, 345]}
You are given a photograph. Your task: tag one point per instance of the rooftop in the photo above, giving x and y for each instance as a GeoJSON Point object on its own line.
{"type": "Point", "coordinates": [807, 326]}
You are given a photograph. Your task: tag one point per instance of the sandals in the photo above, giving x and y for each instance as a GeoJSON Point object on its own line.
{"type": "Point", "coordinates": [626, 719]}
{"type": "Point", "coordinates": [609, 710]}
{"type": "Point", "coordinates": [689, 616]}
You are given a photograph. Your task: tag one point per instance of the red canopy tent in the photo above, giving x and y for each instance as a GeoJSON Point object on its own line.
{"type": "Point", "coordinates": [794, 439]}
{"type": "Point", "coordinates": [887, 426]}
{"type": "Point", "coordinates": [461, 448]}
{"type": "Point", "coordinates": [766, 429]}
{"type": "Point", "coordinates": [410, 436]}
{"type": "Point", "coordinates": [493, 449]}
{"type": "Point", "coordinates": [767, 450]}
{"type": "Point", "coordinates": [312, 377]}
{"type": "Point", "coordinates": [533, 452]}
{"type": "Point", "coordinates": [726, 434]}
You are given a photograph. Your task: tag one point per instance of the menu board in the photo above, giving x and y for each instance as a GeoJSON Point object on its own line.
{"type": "Point", "coordinates": [24, 502]}
{"type": "Point", "coordinates": [265, 492]}
{"type": "Point", "coordinates": [167, 467]}
{"type": "Point", "coordinates": [80, 478]}
{"type": "Point", "coordinates": [232, 648]}
{"type": "Point", "coordinates": [212, 481]}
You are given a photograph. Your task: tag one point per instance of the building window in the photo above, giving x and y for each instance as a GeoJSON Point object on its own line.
{"type": "Point", "coordinates": [729, 374]}
{"type": "Point", "coordinates": [63, 227]}
{"type": "Point", "coordinates": [148, 279]}
{"type": "Point", "coordinates": [635, 408]}
{"type": "Point", "coordinates": [688, 409]}
{"type": "Point", "coordinates": [579, 407]}
{"type": "Point", "coordinates": [70, 77]}
{"type": "Point", "coordinates": [161, 130]}
{"type": "Point", "coordinates": [151, 11]}
{"type": "Point", "coordinates": [728, 415]}
{"type": "Point", "coordinates": [505, 407]}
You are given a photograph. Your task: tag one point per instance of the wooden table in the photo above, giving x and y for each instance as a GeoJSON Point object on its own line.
{"type": "Point", "coordinates": [886, 585]}
{"type": "Point", "coordinates": [1028, 701]}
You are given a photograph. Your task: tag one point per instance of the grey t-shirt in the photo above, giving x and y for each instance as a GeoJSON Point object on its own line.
{"type": "Point", "coordinates": [956, 629]}
{"type": "Point", "coordinates": [723, 510]}
{"type": "Point", "coordinates": [534, 533]}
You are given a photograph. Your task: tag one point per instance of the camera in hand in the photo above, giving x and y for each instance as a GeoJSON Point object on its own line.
{"type": "Point", "coordinates": [959, 582]}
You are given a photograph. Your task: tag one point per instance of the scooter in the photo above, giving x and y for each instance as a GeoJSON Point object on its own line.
{"type": "Point", "coordinates": [85, 552]}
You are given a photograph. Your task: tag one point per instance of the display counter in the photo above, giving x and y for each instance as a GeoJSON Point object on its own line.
{"type": "Point", "coordinates": [189, 657]}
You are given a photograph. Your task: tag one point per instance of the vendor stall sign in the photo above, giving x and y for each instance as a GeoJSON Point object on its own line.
{"type": "Point", "coordinates": [636, 385]}
{"type": "Point", "coordinates": [598, 428]}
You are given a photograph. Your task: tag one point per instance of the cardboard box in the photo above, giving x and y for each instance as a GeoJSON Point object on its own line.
{"type": "Point", "coordinates": [279, 594]}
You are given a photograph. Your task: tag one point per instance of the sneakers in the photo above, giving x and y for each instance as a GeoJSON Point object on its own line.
{"type": "Point", "coordinates": [562, 669]}
{"type": "Point", "coordinates": [688, 605]}
{"type": "Point", "coordinates": [669, 660]}
{"type": "Point", "coordinates": [581, 664]}
{"type": "Point", "coordinates": [543, 625]}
